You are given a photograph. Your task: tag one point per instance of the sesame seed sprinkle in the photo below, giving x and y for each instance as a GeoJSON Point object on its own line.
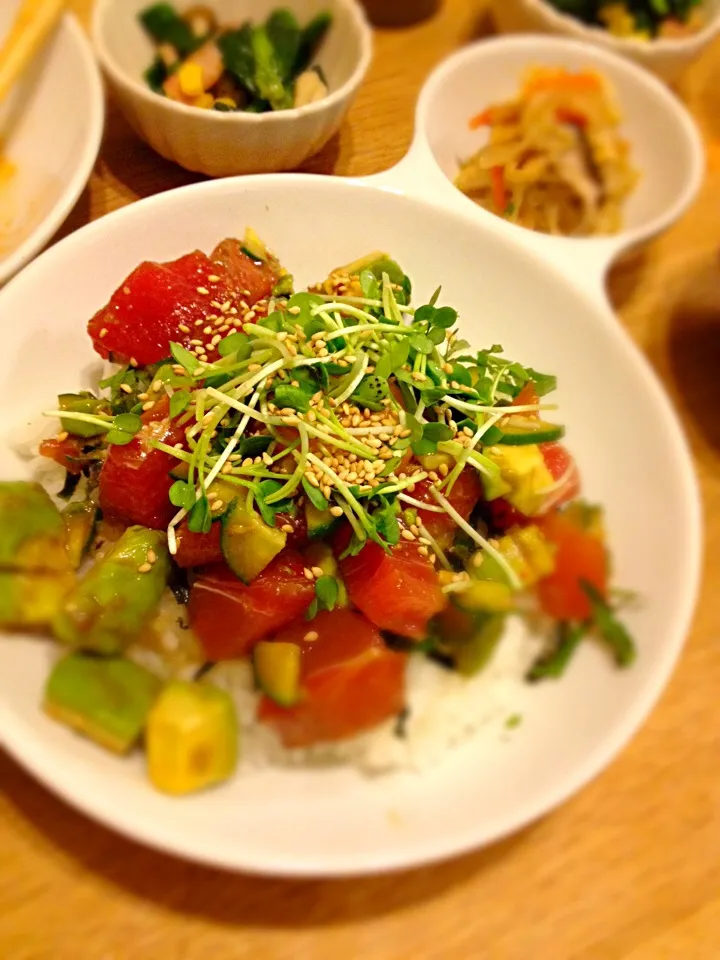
{"type": "Point", "coordinates": [203, 290]}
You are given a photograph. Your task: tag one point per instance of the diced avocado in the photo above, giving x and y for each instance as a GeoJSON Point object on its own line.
{"type": "Point", "coordinates": [321, 555]}
{"type": "Point", "coordinates": [475, 653]}
{"type": "Point", "coordinates": [191, 738]}
{"type": "Point", "coordinates": [486, 595]}
{"type": "Point", "coordinates": [277, 671]}
{"type": "Point", "coordinates": [32, 600]}
{"type": "Point", "coordinates": [519, 431]}
{"type": "Point", "coordinates": [254, 245]}
{"type": "Point", "coordinates": [116, 598]}
{"type": "Point", "coordinates": [80, 519]}
{"type": "Point", "coordinates": [364, 263]}
{"type": "Point", "coordinates": [433, 461]}
{"type": "Point", "coordinates": [528, 552]}
{"type": "Point", "coordinates": [524, 475]}
{"type": "Point", "coordinates": [319, 522]}
{"type": "Point", "coordinates": [81, 403]}
{"type": "Point", "coordinates": [108, 700]}
{"type": "Point", "coordinates": [588, 517]}
{"type": "Point", "coordinates": [469, 639]}
{"type": "Point", "coordinates": [220, 491]}
{"type": "Point", "coordinates": [32, 532]}
{"type": "Point", "coordinates": [248, 543]}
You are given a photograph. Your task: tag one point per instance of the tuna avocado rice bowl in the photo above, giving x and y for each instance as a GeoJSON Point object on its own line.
{"type": "Point", "coordinates": [299, 525]}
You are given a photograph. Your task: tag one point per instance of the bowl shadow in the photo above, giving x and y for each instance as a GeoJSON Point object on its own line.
{"type": "Point", "coordinates": [231, 899]}
{"type": "Point", "coordinates": [694, 350]}
{"type": "Point", "coordinates": [625, 275]}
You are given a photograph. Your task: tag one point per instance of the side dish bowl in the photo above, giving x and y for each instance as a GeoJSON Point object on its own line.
{"type": "Point", "coordinates": [332, 821]}
{"type": "Point", "coordinates": [665, 57]}
{"type": "Point", "coordinates": [49, 150]}
{"type": "Point", "coordinates": [227, 144]}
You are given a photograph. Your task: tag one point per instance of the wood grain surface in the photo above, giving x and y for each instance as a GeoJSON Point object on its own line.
{"type": "Point", "coordinates": [627, 870]}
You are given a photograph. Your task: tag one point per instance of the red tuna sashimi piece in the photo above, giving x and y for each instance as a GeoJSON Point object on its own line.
{"type": "Point", "coordinates": [160, 303]}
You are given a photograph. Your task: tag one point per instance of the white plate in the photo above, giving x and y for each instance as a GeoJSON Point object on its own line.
{"type": "Point", "coordinates": [50, 128]}
{"type": "Point", "coordinates": [620, 425]}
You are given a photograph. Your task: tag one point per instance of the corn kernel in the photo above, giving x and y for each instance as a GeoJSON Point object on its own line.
{"type": "Point", "coordinates": [190, 77]}
{"type": "Point", "coordinates": [205, 101]}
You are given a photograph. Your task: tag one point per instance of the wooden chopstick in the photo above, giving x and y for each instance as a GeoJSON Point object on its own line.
{"type": "Point", "coordinates": [34, 22]}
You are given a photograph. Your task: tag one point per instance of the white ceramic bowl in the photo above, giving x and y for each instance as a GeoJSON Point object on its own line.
{"type": "Point", "coordinates": [666, 146]}
{"type": "Point", "coordinates": [621, 427]}
{"type": "Point", "coordinates": [668, 58]}
{"type": "Point", "coordinates": [226, 144]}
{"type": "Point", "coordinates": [52, 147]}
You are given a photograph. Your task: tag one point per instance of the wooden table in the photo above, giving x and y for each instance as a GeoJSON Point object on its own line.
{"type": "Point", "coordinates": [627, 870]}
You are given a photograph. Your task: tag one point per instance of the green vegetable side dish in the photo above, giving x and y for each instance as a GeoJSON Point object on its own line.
{"type": "Point", "coordinates": [252, 68]}
{"type": "Point", "coordinates": [638, 19]}
{"type": "Point", "coordinates": [331, 484]}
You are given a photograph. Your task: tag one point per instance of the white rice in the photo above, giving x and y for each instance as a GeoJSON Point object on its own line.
{"type": "Point", "coordinates": [444, 710]}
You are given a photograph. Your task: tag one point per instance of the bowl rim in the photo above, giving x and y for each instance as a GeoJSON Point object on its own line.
{"type": "Point", "coordinates": [630, 45]}
{"type": "Point", "coordinates": [139, 90]}
{"type": "Point", "coordinates": [70, 194]}
{"type": "Point", "coordinates": [162, 835]}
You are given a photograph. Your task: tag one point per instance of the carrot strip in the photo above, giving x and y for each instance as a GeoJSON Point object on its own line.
{"type": "Point", "coordinates": [559, 82]}
{"type": "Point", "coordinates": [482, 119]}
{"type": "Point", "coordinates": [566, 115]}
{"type": "Point", "coordinates": [499, 192]}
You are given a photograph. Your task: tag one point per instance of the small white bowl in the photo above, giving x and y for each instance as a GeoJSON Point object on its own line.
{"type": "Point", "coordinates": [665, 57]}
{"type": "Point", "coordinates": [52, 148]}
{"type": "Point", "coordinates": [665, 144]}
{"type": "Point", "coordinates": [227, 144]}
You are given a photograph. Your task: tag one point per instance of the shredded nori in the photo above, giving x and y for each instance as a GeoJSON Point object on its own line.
{"type": "Point", "coordinates": [179, 585]}
{"type": "Point", "coordinates": [70, 486]}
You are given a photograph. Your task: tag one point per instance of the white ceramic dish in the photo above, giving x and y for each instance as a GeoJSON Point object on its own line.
{"type": "Point", "coordinates": [667, 58]}
{"type": "Point", "coordinates": [666, 145]}
{"type": "Point", "coordinates": [51, 147]}
{"type": "Point", "coordinates": [226, 144]}
{"type": "Point", "coordinates": [620, 425]}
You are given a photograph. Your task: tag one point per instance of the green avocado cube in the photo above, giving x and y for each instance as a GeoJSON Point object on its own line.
{"type": "Point", "coordinates": [32, 532]}
{"type": "Point", "coordinates": [31, 600]}
{"type": "Point", "coordinates": [118, 596]}
{"type": "Point", "coordinates": [192, 738]}
{"type": "Point", "coordinates": [107, 700]}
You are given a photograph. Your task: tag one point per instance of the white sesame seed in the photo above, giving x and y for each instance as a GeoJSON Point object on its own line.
{"type": "Point", "coordinates": [336, 511]}
{"type": "Point", "coordinates": [149, 405]}
{"type": "Point", "coordinates": [311, 636]}
{"type": "Point", "coordinates": [308, 573]}
{"type": "Point", "coordinates": [266, 457]}
{"type": "Point", "coordinates": [145, 568]}
{"type": "Point", "coordinates": [125, 388]}
{"type": "Point", "coordinates": [157, 386]}
{"type": "Point", "coordinates": [213, 278]}
{"type": "Point", "coordinates": [227, 468]}
{"type": "Point", "coordinates": [151, 557]}
{"type": "Point", "coordinates": [103, 332]}
{"type": "Point", "coordinates": [203, 290]}
{"type": "Point", "coordinates": [317, 572]}
{"type": "Point", "coordinates": [408, 535]}
{"type": "Point", "coordinates": [423, 551]}
{"type": "Point", "coordinates": [217, 505]}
